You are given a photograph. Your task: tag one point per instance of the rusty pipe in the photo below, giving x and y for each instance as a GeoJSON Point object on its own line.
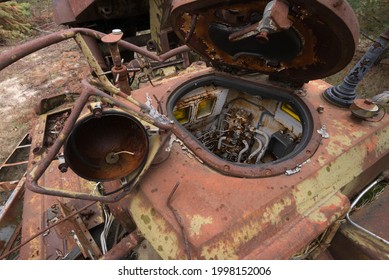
{"type": "Point", "coordinates": [118, 70]}
{"type": "Point", "coordinates": [125, 107]}
{"type": "Point", "coordinates": [8, 57]}
{"type": "Point", "coordinates": [37, 171]}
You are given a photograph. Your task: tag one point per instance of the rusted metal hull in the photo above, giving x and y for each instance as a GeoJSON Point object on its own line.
{"type": "Point", "coordinates": [229, 217]}
{"type": "Point", "coordinates": [15, 166]}
{"type": "Point", "coordinates": [268, 218]}
{"type": "Point", "coordinates": [39, 210]}
{"type": "Point", "coordinates": [185, 201]}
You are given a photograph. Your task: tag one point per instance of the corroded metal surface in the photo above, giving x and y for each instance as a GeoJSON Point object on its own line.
{"type": "Point", "coordinates": [15, 166]}
{"type": "Point", "coordinates": [78, 6]}
{"type": "Point", "coordinates": [80, 233]}
{"type": "Point", "coordinates": [124, 247]}
{"type": "Point", "coordinates": [352, 243]}
{"type": "Point", "coordinates": [230, 218]}
{"type": "Point", "coordinates": [314, 35]}
{"type": "Point", "coordinates": [10, 217]}
{"type": "Point", "coordinates": [189, 204]}
{"type": "Point", "coordinates": [37, 214]}
{"type": "Point", "coordinates": [373, 216]}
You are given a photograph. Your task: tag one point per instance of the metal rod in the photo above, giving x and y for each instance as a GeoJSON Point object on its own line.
{"type": "Point", "coordinates": [179, 221]}
{"type": "Point", "coordinates": [124, 246]}
{"type": "Point", "coordinates": [374, 183]}
{"type": "Point", "coordinates": [46, 229]}
{"type": "Point", "coordinates": [8, 57]}
{"type": "Point", "coordinates": [246, 147]}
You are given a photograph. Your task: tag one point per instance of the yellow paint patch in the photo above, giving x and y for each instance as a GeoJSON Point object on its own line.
{"type": "Point", "coordinates": [336, 143]}
{"type": "Point", "coordinates": [272, 213]}
{"type": "Point", "coordinates": [383, 141]}
{"type": "Point", "coordinates": [358, 133]}
{"type": "Point", "coordinates": [197, 222]}
{"type": "Point", "coordinates": [329, 180]}
{"type": "Point", "coordinates": [318, 217]}
{"type": "Point", "coordinates": [228, 247]}
{"type": "Point", "coordinates": [155, 229]}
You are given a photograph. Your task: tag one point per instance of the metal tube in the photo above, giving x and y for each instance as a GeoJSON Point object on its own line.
{"type": "Point", "coordinates": [374, 183]}
{"type": "Point", "coordinates": [246, 147]}
{"type": "Point", "coordinates": [267, 140]}
{"type": "Point", "coordinates": [220, 142]}
{"type": "Point", "coordinates": [260, 146]}
{"type": "Point", "coordinates": [8, 57]}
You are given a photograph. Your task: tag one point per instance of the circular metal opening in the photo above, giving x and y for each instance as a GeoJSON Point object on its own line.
{"type": "Point", "coordinates": [243, 128]}
{"type": "Point", "coordinates": [106, 148]}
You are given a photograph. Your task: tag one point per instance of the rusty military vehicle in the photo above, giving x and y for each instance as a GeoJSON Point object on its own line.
{"type": "Point", "coordinates": [238, 150]}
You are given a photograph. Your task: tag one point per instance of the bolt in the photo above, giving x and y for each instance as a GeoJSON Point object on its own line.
{"type": "Point", "coordinates": [320, 109]}
{"type": "Point", "coordinates": [37, 150]}
{"type": "Point", "coordinates": [262, 36]}
{"type": "Point", "coordinates": [97, 113]}
{"type": "Point", "coordinates": [63, 167]}
{"type": "Point", "coordinates": [338, 3]}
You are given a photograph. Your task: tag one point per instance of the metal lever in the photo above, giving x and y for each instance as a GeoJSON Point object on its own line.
{"type": "Point", "coordinates": [275, 19]}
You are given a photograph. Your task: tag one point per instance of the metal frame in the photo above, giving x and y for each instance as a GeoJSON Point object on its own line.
{"type": "Point", "coordinates": [383, 177]}
{"type": "Point", "coordinates": [10, 56]}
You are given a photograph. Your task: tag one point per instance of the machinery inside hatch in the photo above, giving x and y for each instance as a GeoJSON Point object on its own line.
{"type": "Point", "coordinates": [239, 127]}
{"type": "Point", "coordinates": [137, 143]}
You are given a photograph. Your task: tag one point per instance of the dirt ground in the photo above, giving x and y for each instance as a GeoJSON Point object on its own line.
{"type": "Point", "coordinates": [56, 69]}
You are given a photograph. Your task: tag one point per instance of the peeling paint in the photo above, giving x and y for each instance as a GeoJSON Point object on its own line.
{"type": "Point", "coordinates": [383, 141]}
{"type": "Point", "coordinates": [319, 216]}
{"type": "Point", "coordinates": [337, 143]}
{"type": "Point", "coordinates": [227, 248]}
{"type": "Point", "coordinates": [164, 239]}
{"type": "Point", "coordinates": [329, 179]}
{"type": "Point", "coordinates": [196, 223]}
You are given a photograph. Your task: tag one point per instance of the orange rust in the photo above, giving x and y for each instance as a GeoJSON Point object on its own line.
{"type": "Point", "coordinates": [225, 214]}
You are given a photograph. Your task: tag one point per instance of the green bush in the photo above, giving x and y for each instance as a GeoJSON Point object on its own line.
{"type": "Point", "coordinates": [373, 16]}
{"type": "Point", "coordinates": [14, 19]}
